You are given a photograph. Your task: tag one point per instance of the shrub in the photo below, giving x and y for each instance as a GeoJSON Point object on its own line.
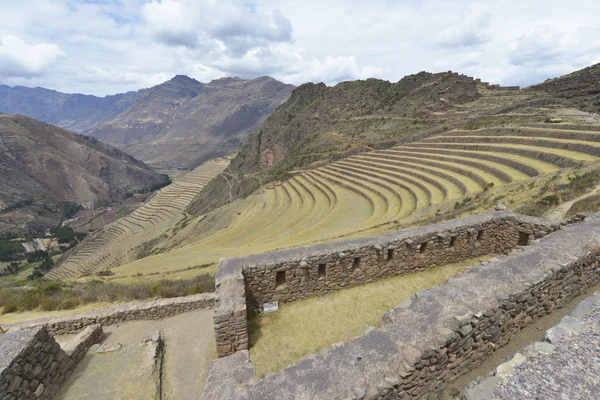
{"type": "Point", "coordinates": [9, 308]}
{"type": "Point", "coordinates": [11, 251]}
{"type": "Point", "coordinates": [553, 199]}
{"type": "Point", "coordinates": [68, 304]}
{"type": "Point", "coordinates": [36, 255]}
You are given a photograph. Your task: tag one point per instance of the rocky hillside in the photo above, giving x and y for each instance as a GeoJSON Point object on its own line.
{"type": "Point", "coordinates": [75, 112]}
{"type": "Point", "coordinates": [45, 169]}
{"type": "Point", "coordinates": [581, 88]}
{"type": "Point", "coordinates": [183, 122]}
{"type": "Point", "coordinates": [321, 124]}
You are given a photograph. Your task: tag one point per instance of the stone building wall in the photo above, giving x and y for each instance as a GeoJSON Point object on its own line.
{"type": "Point", "coordinates": [431, 339]}
{"type": "Point", "coordinates": [230, 317]}
{"type": "Point", "coordinates": [149, 310]}
{"type": "Point", "coordinates": [305, 272]}
{"type": "Point", "coordinates": [357, 262]}
{"type": "Point", "coordinates": [33, 365]}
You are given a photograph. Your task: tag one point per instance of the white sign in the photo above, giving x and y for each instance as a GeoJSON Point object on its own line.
{"type": "Point", "coordinates": [270, 307]}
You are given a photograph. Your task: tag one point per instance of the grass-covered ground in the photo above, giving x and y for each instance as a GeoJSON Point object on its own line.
{"type": "Point", "coordinates": [304, 327]}
{"type": "Point", "coordinates": [27, 299]}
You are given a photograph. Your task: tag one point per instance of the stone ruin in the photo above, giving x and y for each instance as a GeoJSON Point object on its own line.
{"type": "Point", "coordinates": [498, 87]}
{"type": "Point", "coordinates": [428, 340]}
{"type": "Point", "coordinates": [33, 365]}
{"type": "Point", "coordinates": [418, 348]}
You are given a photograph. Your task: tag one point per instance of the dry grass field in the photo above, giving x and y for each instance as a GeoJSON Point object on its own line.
{"type": "Point", "coordinates": [305, 327]}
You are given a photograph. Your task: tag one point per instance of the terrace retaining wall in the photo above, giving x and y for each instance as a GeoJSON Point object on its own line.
{"type": "Point", "coordinates": [146, 310]}
{"type": "Point", "coordinates": [33, 365]}
{"type": "Point", "coordinates": [434, 337]}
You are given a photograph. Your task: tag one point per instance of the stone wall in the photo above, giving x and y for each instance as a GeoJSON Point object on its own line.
{"type": "Point", "coordinates": [33, 365]}
{"type": "Point", "coordinates": [155, 309]}
{"type": "Point", "coordinates": [230, 316]}
{"type": "Point", "coordinates": [528, 372]}
{"type": "Point", "coordinates": [291, 276]}
{"type": "Point", "coordinates": [434, 337]}
{"type": "Point", "coordinates": [305, 272]}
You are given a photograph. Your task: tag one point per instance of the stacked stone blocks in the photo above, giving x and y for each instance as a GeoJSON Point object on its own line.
{"type": "Point", "coordinates": [146, 310]}
{"type": "Point", "coordinates": [317, 275]}
{"type": "Point", "coordinates": [431, 339]}
{"type": "Point", "coordinates": [305, 272]}
{"type": "Point", "coordinates": [33, 365]}
{"type": "Point", "coordinates": [230, 316]}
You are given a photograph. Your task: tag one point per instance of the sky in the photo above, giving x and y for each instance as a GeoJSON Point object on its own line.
{"type": "Point", "coordinates": [113, 46]}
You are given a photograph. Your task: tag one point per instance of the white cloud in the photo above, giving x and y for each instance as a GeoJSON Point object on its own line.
{"type": "Point", "coordinates": [469, 31]}
{"type": "Point", "coordinates": [19, 59]}
{"type": "Point", "coordinates": [541, 46]}
{"type": "Point", "coordinates": [296, 66]}
{"type": "Point", "coordinates": [132, 76]}
{"type": "Point", "coordinates": [192, 23]}
{"type": "Point", "coordinates": [172, 21]}
{"type": "Point", "coordinates": [119, 45]}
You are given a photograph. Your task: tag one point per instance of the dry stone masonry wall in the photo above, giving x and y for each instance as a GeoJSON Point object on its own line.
{"type": "Point", "coordinates": [431, 339]}
{"type": "Point", "coordinates": [394, 255]}
{"type": "Point", "coordinates": [538, 370]}
{"type": "Point", "coordinates": [33, 365]}
{"type": "Point", "coordinates": [305, 272]}
{"type": "Point", "coordinates": [147, 310]}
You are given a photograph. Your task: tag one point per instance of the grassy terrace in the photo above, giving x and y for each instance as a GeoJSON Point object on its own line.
{"type": "Point", "coordinates": [305, 327]}
{"type": "Point", "coordinates": [366, 194]}
{"type": "Point", "coordinates": [119, 242]}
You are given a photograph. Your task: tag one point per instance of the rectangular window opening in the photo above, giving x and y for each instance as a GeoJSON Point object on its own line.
{"type": "Point", "coordinates": [453, 241]}
{"type": "Point", "coordinates": [356, 263]}
{"type": "Point", "coordinates": [523, 239]}
{"type": "Point", "coordinates": [479, 235]}
{"type": "Point", "coordinates": [322, 269]}
{"type": "Point", "coordinates": [390, 254]}
{"type": "Point", "coordinates": [423, 247]}
{"type": "Point", "coordinates": [280, 279]}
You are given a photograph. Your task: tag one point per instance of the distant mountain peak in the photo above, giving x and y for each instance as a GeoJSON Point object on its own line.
{"type": "Point", "coordinates": [226, 79]}
{"type": "Point", "coordinates": [183, 79]}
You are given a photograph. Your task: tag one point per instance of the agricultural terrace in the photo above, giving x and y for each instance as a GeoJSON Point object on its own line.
{"type": "Point", "coordinates": [123, 240]}
{"type": "Point", "coordinates": [366, 194]}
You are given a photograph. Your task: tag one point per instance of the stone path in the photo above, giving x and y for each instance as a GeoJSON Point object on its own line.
{"type": "Point", "coordinates": [560, 212]}
{"type": "Point", "coordinates": [565, 366]}
{"type": "Point", "coordinates": [127, 370]}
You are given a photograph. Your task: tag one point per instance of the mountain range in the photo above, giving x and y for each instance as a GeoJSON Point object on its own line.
{"type": "Point", "coordinates": [75, 112]}
{"type": "Point", "coordinates": [178, 124]}
{"type": "Point", "coordinates": [182, 122]}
